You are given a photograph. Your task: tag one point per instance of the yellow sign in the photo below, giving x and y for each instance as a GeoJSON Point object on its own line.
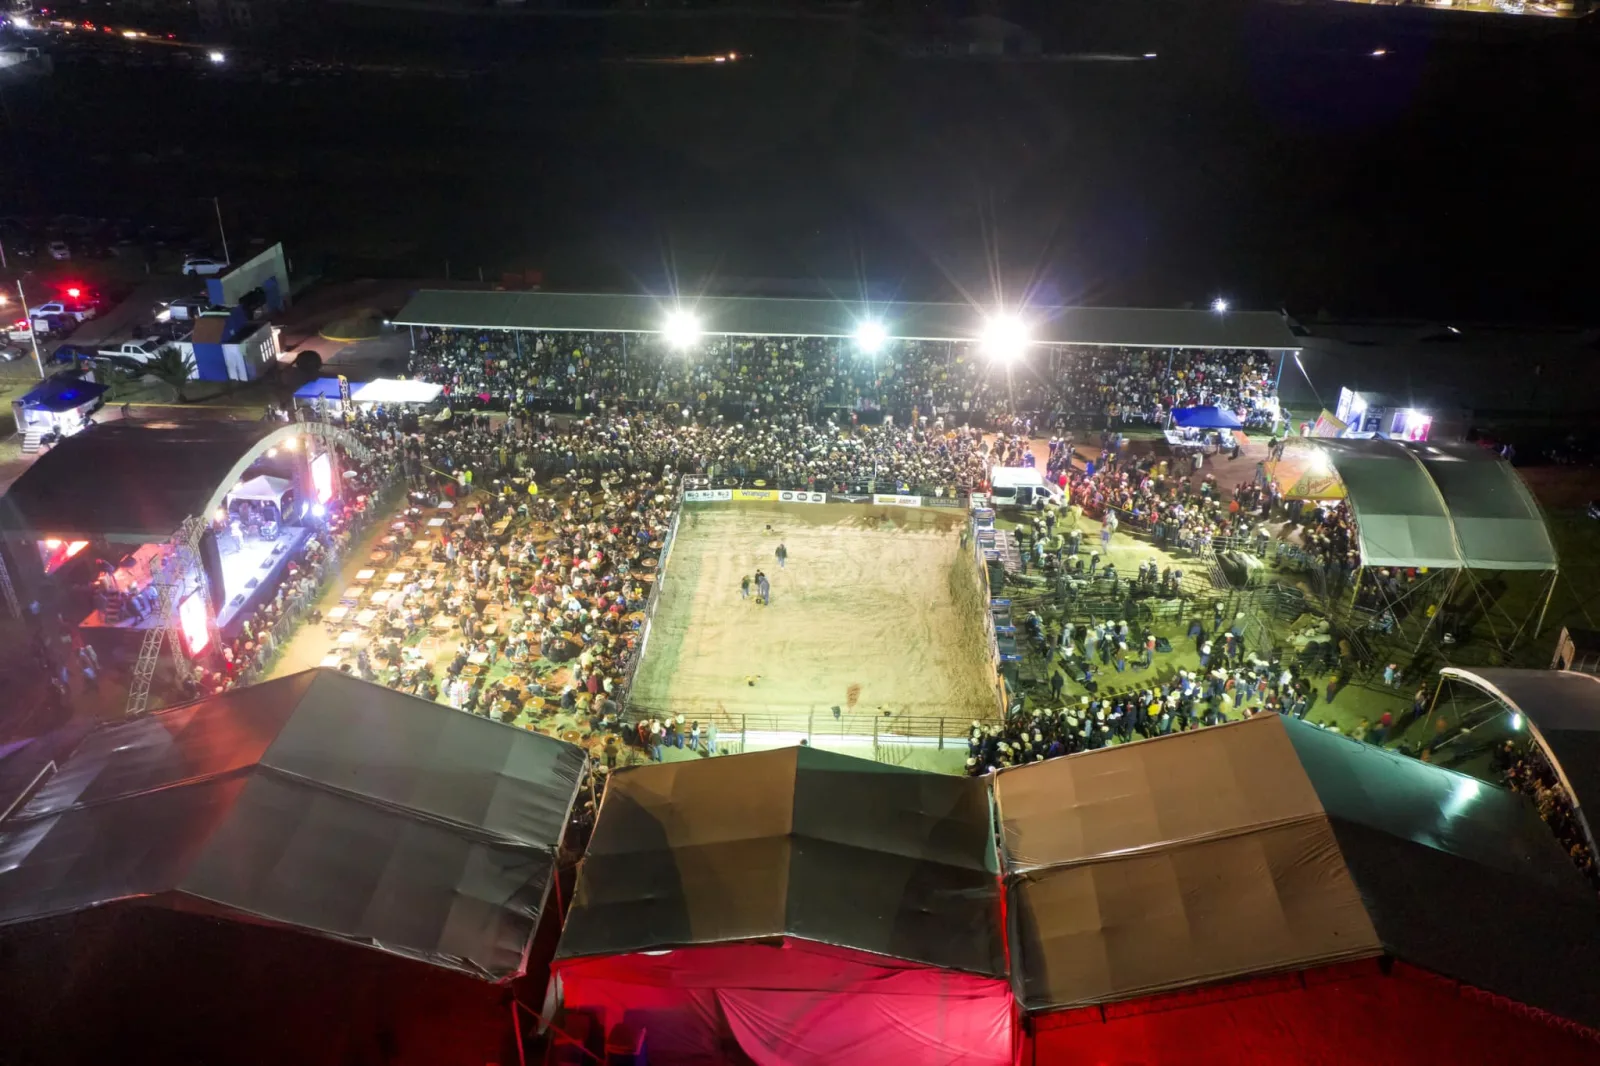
{"type": "Point", "coordinates": [755, 494]}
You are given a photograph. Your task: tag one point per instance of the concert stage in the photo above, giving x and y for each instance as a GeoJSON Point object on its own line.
{"type": "Point", "coordinates": [249, 574]}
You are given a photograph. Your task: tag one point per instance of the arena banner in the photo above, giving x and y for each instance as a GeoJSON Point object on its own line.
{"type": "Point", "coordinates": [897, 501]}
{"type": "Point", "coordinates": [799, 496]}
{"type": "Point", "coordinates": [755, 494]}
{"type": "Point", "coordinates": [707, 495]}
{"type": "Point", "coordinates": [944, 501]}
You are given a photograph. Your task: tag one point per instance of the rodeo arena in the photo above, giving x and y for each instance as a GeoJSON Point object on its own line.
{"type": "Point", "coordinates": [782, 682]}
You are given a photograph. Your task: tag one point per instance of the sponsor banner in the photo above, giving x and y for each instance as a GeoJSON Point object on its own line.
{"type": "Point", "coordinates": [755, 494]}
{"type": "Point", "coordinates": [788, 496]}
{"type": "Point", "coordinates": [897, 501]}
{"type": "Point", "coordinates": [838, 497]}
{"type": "Point", "coordinates": [943, 501]}
{"type": "Point", "coordinates": [708, 495]}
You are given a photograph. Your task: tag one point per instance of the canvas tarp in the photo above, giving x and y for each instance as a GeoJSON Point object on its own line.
{"type": "Point", "coordinates": [1497, 523]}
{"type": "Point", "coordinates": [1271, 845]}
{"type": "Point", "coordinates": [1400, 517]}
{"type": "Point", "coordinates": [316, 801]}
{"type": "Point", "coordinates": [794, 1003]}
{"type": "Point", "coordinates": [795, 842]}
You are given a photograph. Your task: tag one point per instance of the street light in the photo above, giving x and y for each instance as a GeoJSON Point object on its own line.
{"type": "Point", "coordinates": [1219, 305]}
{"type": "Point", "coordinates": [216, 56]}
{"type": "Point", "coordinates": [33, 334]}
{"type": "Point", "coordinates": [681, 329]}
{"type": "Point", "coordinates": [1005, 336]}
{"type": "Point", "coordinates": [871, 336]}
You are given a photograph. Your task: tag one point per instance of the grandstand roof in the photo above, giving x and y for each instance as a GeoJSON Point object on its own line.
{"type": "Point", "coordinates": [316, 801]}
{"type": "Point", "coordinates": [1271, 845]}
{"type": "Point", "coordinates": [759, 316]}
{"type": "Point", "coordinates": [1439, 505]}
{"type": "Point", "coordinates": [795, 842]}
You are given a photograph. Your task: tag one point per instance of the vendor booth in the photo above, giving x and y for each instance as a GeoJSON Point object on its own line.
{"type": "Point", "coordinates": [1371, 414]}
{"type": "Point", "coordinates": [60, 404]}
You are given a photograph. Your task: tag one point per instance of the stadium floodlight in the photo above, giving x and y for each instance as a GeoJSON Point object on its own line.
{"type": "Point", "coordinates": [682, 329]}
{"type": "Point", "coordinates": [1005, 336]}
{"type": "Point", "coordinates": [1219, 305]}
{"type": "Point", "coordinates": [871, 336]}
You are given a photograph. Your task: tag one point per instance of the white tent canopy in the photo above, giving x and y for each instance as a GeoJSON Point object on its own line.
{"type": "Point", "coordinates": [1439, 505]}
{"type": "Point", "coordinates": [263, 489]}
{"type": "Point", "coordinates": [395, 390]}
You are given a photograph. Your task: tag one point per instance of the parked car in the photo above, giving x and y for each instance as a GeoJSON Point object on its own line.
{"type": "Point", "coordinates": [140, 351]}
{"type": "Point", "coordinates": [119, 362]}
{"type": "Point", "coordinates": [11, 352]}
{"type": "Point", "coordinates": [72, 353]}
{"type": "Point", "coordinates": [203, 266]}
{"type": "Point", "coordinates": [20, 330]}
{"type": "Point", "coordinates": [59, 250]}
{"type": "Point", "coordinates": [77, 311]}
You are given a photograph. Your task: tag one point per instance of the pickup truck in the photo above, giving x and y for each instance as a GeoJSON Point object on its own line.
{"type": "Point", "coordinates": [139, 351]}
{"type": "Point", "coordinates": [77, 312]}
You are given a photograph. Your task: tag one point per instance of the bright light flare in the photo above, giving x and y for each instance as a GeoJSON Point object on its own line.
{"type": "Point", "coordinates": [681, 329]}
{"type": "Point", "coordinates": [1219, 305]}
{"type": "Point", "coordinates": [1005, 336]}
{"type": "Point", "coordinates": [1516, 720]}
{"type": "Point", "coordinates": [871, 336]}
{"type": "Point", "coordinates": [21, 23]}
{"type": "Point", "coordinates": [1379, 53]}
{"type": "Point", "coordinates": [216, 57]}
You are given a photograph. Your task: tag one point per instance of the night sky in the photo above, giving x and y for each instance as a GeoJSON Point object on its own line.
{"type": "Point", "coordinates": [1265, 155]}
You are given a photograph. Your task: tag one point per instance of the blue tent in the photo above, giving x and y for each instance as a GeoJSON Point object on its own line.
{"type": "Point", "coordinates": [324, 388]}
{"type": "Point", "coordinates": [62, 393]}
{"type": "Point", "coordinates": [1205, 418]}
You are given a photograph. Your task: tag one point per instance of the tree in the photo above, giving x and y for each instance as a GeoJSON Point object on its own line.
{"type": "Point", "coordinates": [173, 368]}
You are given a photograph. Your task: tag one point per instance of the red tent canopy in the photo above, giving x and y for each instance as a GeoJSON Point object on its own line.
{"type": "Point", "coordinates": [794, 1003]}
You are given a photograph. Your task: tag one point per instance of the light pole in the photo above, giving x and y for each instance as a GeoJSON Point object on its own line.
{"type": "Point", "coordinates": [33, 334]}
{"type": "Point", "coordinates": [217, 203]}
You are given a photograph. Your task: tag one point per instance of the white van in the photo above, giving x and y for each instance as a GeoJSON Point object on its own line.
{"type": "Point", "coordinates": [1022, 486]}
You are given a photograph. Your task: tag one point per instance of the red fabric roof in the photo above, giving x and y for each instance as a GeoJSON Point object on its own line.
{"type": "Point", "coordinates": [1350, 1013]}
{"type": "Point", "coordinates": [794, 1003]}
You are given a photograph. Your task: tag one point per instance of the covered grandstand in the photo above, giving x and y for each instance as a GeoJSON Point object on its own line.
{"type": "Point", "coordinates": [1268, 885]}
{"type": "Point", "coordinates": [792, 906]}
{"type": "Point", "coordinates": [743, 316]}
{"type": "Point", "coordinates": [317, 806]}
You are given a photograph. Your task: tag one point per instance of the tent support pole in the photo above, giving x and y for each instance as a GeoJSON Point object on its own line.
{"type": "Point", "coordinates": [516, 1025]}
{"type": "Point", "coordinates": [1550, 593]}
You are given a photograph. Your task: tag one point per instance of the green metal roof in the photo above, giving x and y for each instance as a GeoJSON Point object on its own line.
{"type": "Point", "coordinates": [762, 317]}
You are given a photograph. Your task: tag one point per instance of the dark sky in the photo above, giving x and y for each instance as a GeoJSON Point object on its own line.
{"type": "Point", "coordinates": [1265, 155]}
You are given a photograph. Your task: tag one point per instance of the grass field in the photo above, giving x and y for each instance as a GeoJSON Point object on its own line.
{"type": "Point", "coordinates": [874, 614]}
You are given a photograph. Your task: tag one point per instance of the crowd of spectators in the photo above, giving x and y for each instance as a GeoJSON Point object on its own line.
{"type": "Point", "coordinates": [1531, 774]}
{"type": "Point", "coordinates": [1059, 386]}
{"type": "Point", "coordinates": [1229, 683]}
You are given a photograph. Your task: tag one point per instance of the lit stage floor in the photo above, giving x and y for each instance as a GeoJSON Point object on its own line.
{"type": "Point", "coordinates": [249, 573]}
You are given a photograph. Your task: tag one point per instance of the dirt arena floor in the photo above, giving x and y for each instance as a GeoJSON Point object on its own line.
{"type": "Point", "coordinates": [873, 614]}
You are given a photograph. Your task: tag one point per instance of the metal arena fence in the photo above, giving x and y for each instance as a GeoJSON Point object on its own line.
{"type": "Point", "coordinates": [897, 728]}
